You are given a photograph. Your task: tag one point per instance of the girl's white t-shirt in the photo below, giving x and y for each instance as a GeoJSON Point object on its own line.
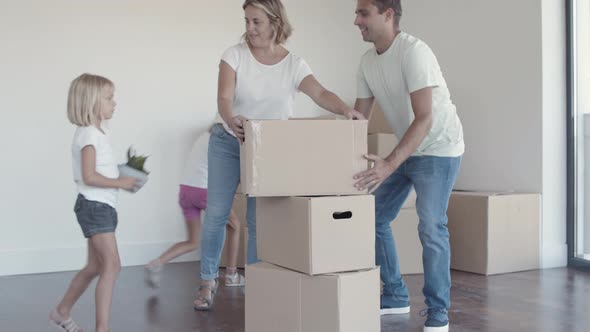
{"type": "Point", "coordinates": [105, 164]}
{"type": "Point", "coordinates": [195, 168]}
{"type": "Point", "coordinates": [264, 92]}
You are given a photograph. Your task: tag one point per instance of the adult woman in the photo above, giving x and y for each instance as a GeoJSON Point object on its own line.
{"type": "Point", "coordinates": [258, 79]}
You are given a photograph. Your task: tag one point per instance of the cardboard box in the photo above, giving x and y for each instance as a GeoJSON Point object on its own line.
{"type": "Point", "coordinates": [239, 208]}
{"type": "Point", "coordinates": [302, 157]}
{"type": "Point", "coordinates": [407, 242]}
{"type": "Point", "coordinates": [382, 145]}
{"type": "Point", "coordinates": [317, 235]}
{"type": "Point", "coordinates": [279, 299]}
{"type": "Point", "coordinates": [494, 233]}
{"type": "Point", "coordinates": [378, 124]}
{"type": "Point", "coordinates": [329, 116]}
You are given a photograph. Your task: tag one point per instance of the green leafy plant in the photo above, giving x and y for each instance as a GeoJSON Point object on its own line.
{"type": "Point", "coordinates": [135, 161]}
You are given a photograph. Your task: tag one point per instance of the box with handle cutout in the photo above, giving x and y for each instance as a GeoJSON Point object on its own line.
{"type": "Point", "coordinates": [317, 235]}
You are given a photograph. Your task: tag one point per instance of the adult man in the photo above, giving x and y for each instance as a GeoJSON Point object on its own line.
{"type": "Point", "coordinates": [404, 77]}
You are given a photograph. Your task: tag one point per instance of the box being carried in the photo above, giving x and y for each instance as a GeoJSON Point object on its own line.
{"type": "Point", "coordinates": [382, 145]}
{"type": "Point", "coordinates": [302, 157]}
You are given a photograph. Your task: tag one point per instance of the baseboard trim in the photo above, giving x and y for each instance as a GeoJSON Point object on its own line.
{"type": "Point", "coordinates": [28, 261]}
{"type": "Point", "coordinates": [554, 255]}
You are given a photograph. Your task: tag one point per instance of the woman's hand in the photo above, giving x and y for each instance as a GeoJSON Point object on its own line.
{"type": "Point", "coordinates": [237, 126]}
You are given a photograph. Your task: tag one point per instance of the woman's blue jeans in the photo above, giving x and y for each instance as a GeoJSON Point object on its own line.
{"type": "Point", "coordinates": [223, 179]}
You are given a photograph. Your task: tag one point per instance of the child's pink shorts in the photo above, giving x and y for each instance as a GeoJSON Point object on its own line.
{"type": "Point", "coordinates": [192, 200]}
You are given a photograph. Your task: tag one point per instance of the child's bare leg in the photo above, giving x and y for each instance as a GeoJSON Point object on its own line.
{"type": "Point", "coordinates": [193, 228]}
{"type": "Point", "coordinates": [79, 283]}
{"type": "Point", "coordinates": [154, 268]}
{"type": "Point", "coordinates": [232, 277]}
{"type": "Point", "coordinates": [108, 254]}
{"type": "Point", "coordinates": [233, 242]}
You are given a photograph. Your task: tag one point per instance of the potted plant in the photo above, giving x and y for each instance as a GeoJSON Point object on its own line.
{"type": "Point", "coordinates": [134, 168]}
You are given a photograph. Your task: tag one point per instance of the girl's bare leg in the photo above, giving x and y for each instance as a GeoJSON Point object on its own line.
{"type": "Point", "coordinates": [193, 228]}
{"type": "Point", "coordinates": [233, 242]}
{"type": "Point", "coordinates": [79, 284]}
{"type": "Point", "coordinates": [108, 254]}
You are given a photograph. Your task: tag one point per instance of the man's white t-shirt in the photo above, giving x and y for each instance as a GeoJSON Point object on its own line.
{"type": "Point", "coordinates": [105, 164]}
{"type": "Point", "coordinates": [264, 92]}
{"type": "Point", "coordinates": [195, 168]}
{"type": "Point", "coordinates": [407, 66]}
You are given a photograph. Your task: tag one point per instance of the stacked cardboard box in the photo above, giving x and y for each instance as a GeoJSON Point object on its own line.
{"type": "Point", "coordinates": [381, 141]}
{"type": "Point", "coordinates": [317, 249]}
{"type": "Point", "coordinates": [494, 232]}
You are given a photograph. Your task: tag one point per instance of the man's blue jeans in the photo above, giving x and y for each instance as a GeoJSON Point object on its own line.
{"type": "Point", "coordinates": [223, 179]}
{"type": "Point", "coordinates": [433, 179]}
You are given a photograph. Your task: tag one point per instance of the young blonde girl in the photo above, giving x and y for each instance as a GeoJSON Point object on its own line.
{"type": "Point", "coordinates": [90, 102]}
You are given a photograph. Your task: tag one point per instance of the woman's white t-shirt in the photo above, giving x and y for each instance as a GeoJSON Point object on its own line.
{"type": "Point", "coordinates": [195, 168]}
{"type": "Point", "coordinates": [105, 164]}
{"type": "Point", "coordinates": [264, 92]}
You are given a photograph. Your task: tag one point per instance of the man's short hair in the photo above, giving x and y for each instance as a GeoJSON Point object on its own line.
{"type": "Point", "coordinates": [396, 5]}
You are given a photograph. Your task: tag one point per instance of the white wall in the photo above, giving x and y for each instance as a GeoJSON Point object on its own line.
{"type": "Point", "coordinates": [554, 230]}
{"type": "Point", "coordinates": [490, 54]}
{"type": "Point", "coordinates": [504, 62]}
{"type": "Point", "coordinates": [163, 57]}
{"type": "Point", "coordinates": [505, 70]}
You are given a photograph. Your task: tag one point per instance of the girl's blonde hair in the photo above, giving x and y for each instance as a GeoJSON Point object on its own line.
{"type": "Point", "coordinates": [83, 99]}
{"type": "Point", "coordinates": [276, 13]}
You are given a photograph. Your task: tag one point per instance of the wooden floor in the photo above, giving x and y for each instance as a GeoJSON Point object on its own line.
{"type": "Point", "coordinates": [553, 300]}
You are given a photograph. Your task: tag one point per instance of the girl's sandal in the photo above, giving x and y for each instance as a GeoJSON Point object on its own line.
{"type": "Point", "coordinates": [208, 302]}
{"type": "Point", "coordinates": [235, 280]}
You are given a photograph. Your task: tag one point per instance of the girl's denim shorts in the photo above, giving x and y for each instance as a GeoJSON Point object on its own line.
{"type": "Point", "coordinates": [95, 217]}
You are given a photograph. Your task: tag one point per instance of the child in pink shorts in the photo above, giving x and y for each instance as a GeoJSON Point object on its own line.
{"type": "Point", "coordinates": [192, 198]}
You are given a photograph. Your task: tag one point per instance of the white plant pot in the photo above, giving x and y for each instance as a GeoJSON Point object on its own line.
{"type": "Point", "coordinates": [142, 178]}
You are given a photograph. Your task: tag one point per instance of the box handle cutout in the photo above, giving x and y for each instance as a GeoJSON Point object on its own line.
{"type": "Point", "coordinates": [342, 215]}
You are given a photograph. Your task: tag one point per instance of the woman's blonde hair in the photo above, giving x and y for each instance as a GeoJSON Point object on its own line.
{"type": "Point", "coordinates": [83, 99]}
{"type": "Point", "coordinates": [276, 13]}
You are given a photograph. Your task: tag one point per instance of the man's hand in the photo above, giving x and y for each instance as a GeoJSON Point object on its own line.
{"type": "Point", "coordinates": [374, 176]}
{"type": "Point", "coordinates": [354, 115]}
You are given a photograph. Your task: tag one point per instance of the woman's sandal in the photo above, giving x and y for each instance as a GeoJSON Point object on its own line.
{"type": "Point", "coordinates": [67, 325]}
{"type": "Point", "coordinates": [204, 300]}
